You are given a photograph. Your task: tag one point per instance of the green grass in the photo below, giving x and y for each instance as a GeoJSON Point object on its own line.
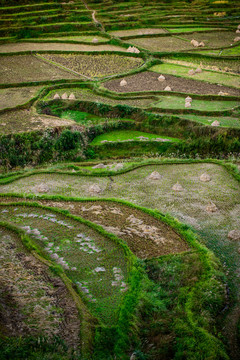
{"type": "Point", "coordinates": [123, 135]}
{"type": "Point", "coordinates": [174, 102]}
{"type": "Point", "coordinates": [234, 51]}
{"type": "Point", "coordinates": [85, 118]}
{"type": "Point", "coordinates": [182, 30]}
{"type": "Point", "coordinates": [206, 75]}
{"type": "Point", "coordinates": [83, 38]}
{"type": "Point", "coordinates": [207, 120]}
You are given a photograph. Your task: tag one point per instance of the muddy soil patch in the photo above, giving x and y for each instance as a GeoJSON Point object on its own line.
{"type": "Point", "coordinates": [33, 301]}
{"type": "Point", "coordinates": [148, 81]}
{"type": "Point", "coordinates": [146, 236]}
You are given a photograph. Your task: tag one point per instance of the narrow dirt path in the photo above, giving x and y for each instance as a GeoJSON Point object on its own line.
{"type": "Point", "coordinates": [97, 23]}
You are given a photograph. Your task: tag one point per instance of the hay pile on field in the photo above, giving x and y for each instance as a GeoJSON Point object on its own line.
{"type": "Point", "coordinates": [64, 96]}
{"type": "Point", "coordinates": [95, 189]}
{"type": "Point", "coordinates": [205, 177]}
{"type": "Point", "coordinates": [133, 49]}
{"type": "Point", "coordinates": [155, 176]}
{"type": "Point", "coordinates": [191, 72]}
{"type": "Point", "coordinates": [222, 93]}
{"type": "Point", "coordinates": [56, 97]}
{"type": "Point", "coordinates": [188, 104]}
{"type": "Point", "coordinates": [215, 123]}
{"type": "Point", "coordinates": [99, 166]}
{"type": "Point", "coordinates": [42, 188]}
{"type": "Point", "coordinates": [198, 70]}
{"type": "Point", "coordinates": [167, 88]}
{"type": "Point", "coordinates": [118, 167]}
{"type": "Point", "coordinates": [211, 208]}
{"type": "Point", "coordinates": [177, 187]}
{"type": "Point", "coordinates": [237, 39]}
{"type": "Point", "coordinates": [201, 44]}
{"type": "Point", "coordinates": [194, 43]}
{"type": "Point", "coordinates": [72, 97]}
{"type": "Point", "coordinates": [234, 235]}
{"type": "Point", "coordinates": [123, 82]}
{"type": "Point", "coordinates": [161, 78]}
{"type": "Point", "coordinates": [94, 40]}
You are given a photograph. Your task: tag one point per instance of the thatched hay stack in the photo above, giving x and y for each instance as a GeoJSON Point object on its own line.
{"type": "Point", "coordinates": [161, 78]}
{"type": "Point", "coordinates": [99, 166]}
{"type": "Point", "coordinates": [42, 188]}
{"type": "Point", "coordinates": [64, 96]}
{"type": "Point", "coordinates": [191, 72]}
{"type": "Point", "coordinates": [155, 176]}
{"type": "Point", "coordinates": [188, 99]}
{"type": "Point", "coordinates": [56, 97]}
{"type": "Point", "coordinates": [194, 43]}
{"type": "Point", "coordinates": [238, 27]}
{"type": "Point", "coordinates": [237, 31]}
{"type": "Point", "coordinates": [205, 177]}
{"type": "Point", "coordinates": [237, 39]}
{"type": "Point", "coordinates": [167, 88]}
{"type": "Point", "coordinates": [123, 82]}
{"type": "Point", "coordinates": [133, 49]}
{"type": "Point", "coordinates": [177, 187]}
{"type": "Point", "coordinates": [201, 44]}
{"type": "Point", "coordinates": [234, 235]}
{"type": "Point", "coordinates": [95, 189]}
{"type": "Point", "coordinates": [94, 40]}
{"type": "Point", "coordinates": [198, 70]}
{"type": "Point", "coordinates": [215, 123]}
{"type": "Point", "coordinates": [187, 104]}
{"type": "Point", "coordinates": [72, 97]}
{"type": "Point", "coordinates": [211, 208]}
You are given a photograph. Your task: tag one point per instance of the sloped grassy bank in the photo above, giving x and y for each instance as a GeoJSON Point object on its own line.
{"type": "Point", "coordinates": [72, 143]}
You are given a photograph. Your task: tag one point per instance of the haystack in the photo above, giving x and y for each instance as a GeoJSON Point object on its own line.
{"type": "Point", "coordinates": [187, 104]}
{"type": "Point", "coordinates": [201, 44]}
{"type": "Point", "coordinates": [237, 31]}
{"type": "Point", "coordinates": [72, 97]}
{"type": "Point", "coordinates": [205, 177]}
{"type": "Point", "coordinates": [118, 167]}
{"type": "Point", "coordinates": [99, 166]}
{"type": "Point", "coordinates": [161, 78]}
{"type": "Point", "coordinates": [194, 43]}
{"type": "Point", "coordinates": [191, 72]}
{"type": "Point", "coordinates": [42, 188]}
{"type": "Point", "coordinates": [167, 88]}
{"type": "Point", "coordinates": [155, 176]}
{"type": "Point", "coordinates": [215, 123]}
{"type": "Point", "coordinates": [123, 83]}
{"type": "Point", "coordinates": [237, 39]}
{"type": "Point", "coordinates": [64, 96]}
{"type": "Point", "coordinates": [211, 208]}
{"type": "Point", "coordinates": [177, 187]}
{"type": "Point", "coordinates": [234, 235]}
{"type": "Point", "coordinates": [188, 99]}
{"type": "Point", "coordinates": [56, 97]}
{"type": "Point", "coordinates": [94, 40]}
{"type": "Point", "coordinates": [95, 189]}
{"type": "Point", "coordinates": [238, 27]}
{"type": "Point", "coordinates": [198, 70]}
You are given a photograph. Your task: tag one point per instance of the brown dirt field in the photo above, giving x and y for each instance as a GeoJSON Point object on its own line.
{"type": "Point", "coordinates": [215, 39]}
{"type": "Point", "coordinates": [16, 121]}
{"type": "Point", "coordinates": [147, 238]}
{"type": "Point", "coordinates": [141, 31]}
{"type": "Point", "coordinates": [26, 285]}
{"type": "Point", "coordinates": [11, 97]}
{"type": "Point", "coordinates": [161, 44]}
{"type": "Point", "coordinates": [148, 81]}
{"type": "Point", "coordinates": [20, 47]}
{"type": "Point", "coordinates": [28, 68]}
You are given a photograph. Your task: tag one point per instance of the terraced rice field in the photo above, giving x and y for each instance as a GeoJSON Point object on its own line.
{"type": "Point", "coordinates": [119, 188]}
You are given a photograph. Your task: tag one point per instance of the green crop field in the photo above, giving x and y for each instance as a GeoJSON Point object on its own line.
{"type": "Point", "coordinates": [119, 180]}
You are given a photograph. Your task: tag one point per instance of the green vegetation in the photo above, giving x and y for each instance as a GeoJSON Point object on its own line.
{"type": "Point", "coordinates": [125, 135]}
